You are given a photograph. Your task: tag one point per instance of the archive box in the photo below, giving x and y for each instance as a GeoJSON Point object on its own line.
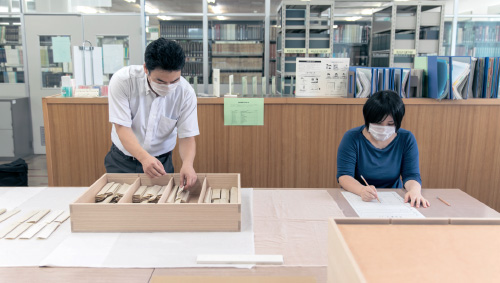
{"type": "Point", "coordinates": [126, 216]}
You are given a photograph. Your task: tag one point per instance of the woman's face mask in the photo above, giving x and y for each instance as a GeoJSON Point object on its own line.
{"type": "Point", "coordinates": [381, 133]}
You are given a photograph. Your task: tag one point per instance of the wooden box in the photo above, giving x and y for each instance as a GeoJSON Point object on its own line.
{"type": "Point", "coordinates": [413, 250]}
{"type": "Point", "coordinates": [125, 216]}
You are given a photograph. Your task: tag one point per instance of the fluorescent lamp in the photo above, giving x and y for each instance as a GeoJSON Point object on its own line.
{"type": "Point", "coordinates": [164, 18]}
{"type": "Point", "coordinates": [86, 10]}
{"type": "Point", "coordinates": [352, 19]}
{"type": "Point", "coordinates": [216, 10]}
{"type": "Point", "coordinates": [221, 18]}
{"type": "Point", "coordinates": [151, 9]}
{"type": "Point", "coordinates": [129, 1]}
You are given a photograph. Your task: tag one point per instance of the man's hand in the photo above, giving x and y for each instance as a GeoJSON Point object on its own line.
{"type": "Point", "coordinates": [188, 176]}
{"type": "Point", "coordinates": [153, 167]}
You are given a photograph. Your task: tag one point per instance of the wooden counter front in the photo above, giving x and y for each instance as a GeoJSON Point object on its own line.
{"type": "Point", "coordinates": [297, 146]}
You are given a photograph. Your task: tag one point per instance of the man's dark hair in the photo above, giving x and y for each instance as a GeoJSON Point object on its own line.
{"type": "Point", "coordinates": [382, 104]}
{"type": "Point", "coordinates": [164, 54]}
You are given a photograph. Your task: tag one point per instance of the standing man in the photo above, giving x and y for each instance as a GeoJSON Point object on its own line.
{"type": "Point", "coordinates": [149, 107]}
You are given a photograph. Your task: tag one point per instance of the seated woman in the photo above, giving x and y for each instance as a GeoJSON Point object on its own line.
{"type": "Point", "coordinates": [381, 152]}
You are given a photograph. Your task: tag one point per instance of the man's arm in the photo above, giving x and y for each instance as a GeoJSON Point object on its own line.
{"type": "Point", "coordinates": [151, 166]}
{"type": "Point", "coordinates": [187, 151]}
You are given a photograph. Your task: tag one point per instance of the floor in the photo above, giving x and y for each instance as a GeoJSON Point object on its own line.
{"type": "Point", "coordinates": [37, 170]}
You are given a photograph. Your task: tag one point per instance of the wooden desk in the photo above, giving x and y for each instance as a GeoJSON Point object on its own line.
{"type": "Point", "coordinates": [297, 146]}
{"type": "Point", "coordinates": [457, 198]}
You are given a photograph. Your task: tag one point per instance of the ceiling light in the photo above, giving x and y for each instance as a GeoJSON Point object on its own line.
{"type": "Point", "coordinates": [130, 1]}
{"type": "Point", "coordinates": [367, 12]}
{"type": "Point", "coordinates": [86, 10]}
{"type": "Point", "coordinates": [221, 18]}
{"type": "Point", "coordinates": [352, 19]}
{"type": "Point", "coordinates": [151, 9]}
{"type": "Point", "coordinates": [211, 1]}
{"type": "Point", "coordinates": [216, 10]}
{"type": "Point", "coordinates": [164, 18]}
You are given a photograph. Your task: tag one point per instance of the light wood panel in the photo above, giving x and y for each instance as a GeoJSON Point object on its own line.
{"type": "Point", "coordinates": [297, 146]}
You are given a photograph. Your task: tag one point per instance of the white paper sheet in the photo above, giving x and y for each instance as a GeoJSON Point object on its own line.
{"type": "Point", "coordinates": [97, 66]}
{"type": "Point", "coordinates": [24, 252]}
{"type": "Point", "coordinates": [113, 56]}
{"type": "Point", "coordinates": [155, 250]}
{"type": "Point", "coordinates": [322, 76]}
{"type": "Point", "coordinates": [391, 206]}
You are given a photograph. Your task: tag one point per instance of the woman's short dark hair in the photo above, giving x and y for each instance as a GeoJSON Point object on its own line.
{"type": "Point", "coordinates": [382, 104]}
{"type": "Point", "coordinates": [164, 54]}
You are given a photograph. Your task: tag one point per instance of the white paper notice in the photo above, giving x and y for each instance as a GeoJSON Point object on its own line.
{"type": "Point", "coordinates": [391, 206]}
{"type": "Point", "coordinates": [113, 56]}
{"type": "Point", "coordinates": [322, 76]}
{"type": "Point", "coordinates": [93, 65]}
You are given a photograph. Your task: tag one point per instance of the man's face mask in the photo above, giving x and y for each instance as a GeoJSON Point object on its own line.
{"type": "Point", "coordinates": [162, 89]}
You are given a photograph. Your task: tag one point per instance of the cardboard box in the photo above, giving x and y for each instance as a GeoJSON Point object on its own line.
{"type": "Point", "coordinates": [125, 216]}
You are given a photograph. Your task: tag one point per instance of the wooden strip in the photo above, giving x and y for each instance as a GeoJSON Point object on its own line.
{"type": "Point", "coordinates": [18, 231]}
{"type": "Point", "coordinates": [33, 230]}
{"type": "Point", "coordinates": [61, 218]}
{"type": "Point", "coordinates": [35, 218]}
{"type": "Point", "coordinates": [48, 230]}
{"type": "Point", "coordinates": [215, 194]}
{"type": "Point", "coordinates": [7, 215]}
{"type": "Point", "coordinates": [138, 194]}
{"type": "Point", "coordinates": [28, 215]}
{"type": "Point", "coordinates": [240, 259]}
{"type": "Point", "coordinates": [224, 194]}
{"type": "Point", "coordinates": [53, 216]}
{"type": "Point", "coordinates": [173, 193]}
{"type": "Point", "coordinates": [105, 188]}
{"type": "Point", "coordinates": [208, 196]}
{"type": "Point", "coordinates": [233, 195]}
{"type": "Point", "coordinates": [9, 228]}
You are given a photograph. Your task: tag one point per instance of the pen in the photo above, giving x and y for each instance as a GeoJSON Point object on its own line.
{"type": "Point", "coordinates": [368, 185]}
{"type": "Point", "coordinates": [445, 202]}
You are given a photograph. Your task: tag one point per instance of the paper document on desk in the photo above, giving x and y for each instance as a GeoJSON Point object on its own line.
{"type": "Point", "coordinates": [391, 206]}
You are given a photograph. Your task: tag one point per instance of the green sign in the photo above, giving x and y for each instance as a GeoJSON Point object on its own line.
{"type": "Point", "coordinates": [244, 111]}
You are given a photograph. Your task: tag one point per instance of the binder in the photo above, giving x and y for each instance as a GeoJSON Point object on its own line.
{"type": "Point", "coordinates": [365, 81]}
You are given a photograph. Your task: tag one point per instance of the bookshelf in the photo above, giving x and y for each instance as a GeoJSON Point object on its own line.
{"type": "Point", "coordinates": [11, 52]}
{"type": "Point", "coordinates": [352, 40]}
{"type": "Point", "coordinates": [52, 71]}
{"type": "Point", "coordinates": [403, 30]}
{"type": "Point", "coordinates": [237, 49]}
{"type": "Point", "coordinates": [189, 34]}
{"type": "Point", "coordinates": [305, 29]}
{"type": "Point", "coordinates": [474, 38]}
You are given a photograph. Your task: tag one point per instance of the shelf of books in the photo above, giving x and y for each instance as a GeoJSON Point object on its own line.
{"type": "Point", "coordinates": [189, 34]}
{"type": "Point", "coordinates": [352, 40]}
{"type": "Point", "coordinates": [305, 29]}
{"type": "Point", "coordinates": [52, 71]}
{"type": "Point", "coordinates": [237, 49]}
{"type": "Point", "coordinates": [474, 38]}
{"type": "Point", "coordinates": [11, 52]}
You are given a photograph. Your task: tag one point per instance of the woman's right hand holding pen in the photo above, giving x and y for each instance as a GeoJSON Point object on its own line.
{"type": "Point", "coordinates": [368, 193]}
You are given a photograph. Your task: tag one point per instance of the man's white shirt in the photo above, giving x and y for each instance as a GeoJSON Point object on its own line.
{"type": "Point", "coordinates": [155, 120]}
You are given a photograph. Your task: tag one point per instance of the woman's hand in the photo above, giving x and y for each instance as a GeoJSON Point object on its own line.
{"type": "Point", "coordinates": [414, 197]}
{"type": "Point", "coordinates": [368, 193]}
